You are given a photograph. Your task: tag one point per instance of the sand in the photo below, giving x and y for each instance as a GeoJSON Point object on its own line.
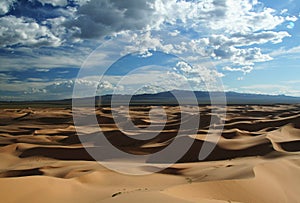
{"type": "Point", "coordinates": [257, 158]}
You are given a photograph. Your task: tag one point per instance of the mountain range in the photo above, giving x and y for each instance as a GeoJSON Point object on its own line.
{"type": "Point", "coordinates": [166, 98]}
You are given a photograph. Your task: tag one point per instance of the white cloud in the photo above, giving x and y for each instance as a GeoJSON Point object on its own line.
{"type": "Point", "coordinates": [246, 39]}
{"type": "Point", "coordinates": [151, 89]}
{"type": "Point", "coordinates": [35, 91]}
{"type": "Point", "coordinates": [81, 2]}
{"type": "Point", "coordinates": [239, 56]}
{"type": "Point", "coordinates": [98, 18]}
{"type": "Point", "coordinates": [283, 11]}
{"type": "Point", "coordinates": [137, 82]}
{"type": "Point", "coordinates": [236, 26]}
{"type": "Point", "coordinates": [240, 16]}
{"type": "Point", "coordinates": [238, 19]}
{"type": "Point", "coordinates": [292, 82]}
{"type": "Point", "coordinates": [59, 90]}
{"type": "Point", "coordinates": [174, 33]}
{"type": "Point", "coordinates": [200, 76]}
{"type": "Point", "coordinates": [54, 2]}
{"type": "Point", "coordinates": [144, 42]}
{"type": "Point", "coordinates": [263, 86]}
{"type": "Point", "coordinates": [50, 59]}
{"type": "Point", "coordinates": [183, 66]}
{"type": "Point", "coordinates": [244, 70]}
{"type": "Point", "coordinates": [229, 16]}
{"type": "Point", "coordinates": [229, 47]}
{"type": "Point", "coordinates": [285, 52]}
{"type": "Point", "coordinates": [274, 89]}
{"type": "Point", "coordinates": [5, 6]}
{"type": "Point", "coordinates": [291, 18]}
{"type": "Point", "coordinates": [218, 46]}
{"type": "Point", "coordinates": [25, 31]}
{"type": "Point", "coordinates": [106, 87]}
{"type": "Point", "coordinates": [56, 26]}
{"type": "Point", "coordinates": [248, 56]}
{"type": "Point", "coordinates": [154, 79]}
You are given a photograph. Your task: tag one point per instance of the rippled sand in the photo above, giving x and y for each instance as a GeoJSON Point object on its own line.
{"type": "Point", "coordinates": [257, 158]}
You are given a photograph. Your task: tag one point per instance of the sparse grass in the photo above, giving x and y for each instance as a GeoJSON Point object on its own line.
{"type": "Point", "coordinates": [189, 180]}
{"type": "Point", "coordinates": [127, 192]}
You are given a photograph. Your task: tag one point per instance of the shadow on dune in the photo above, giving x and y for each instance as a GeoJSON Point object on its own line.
{"type": "Point", "coordinates": [21, 173]}
{"type": "Point", "coordinates": [217, 153]}
{"type": "Point", "coordinates": [293, 146]}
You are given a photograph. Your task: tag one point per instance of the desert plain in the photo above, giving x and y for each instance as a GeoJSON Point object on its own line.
{"type": "Point", "coordinates": [256, 158]}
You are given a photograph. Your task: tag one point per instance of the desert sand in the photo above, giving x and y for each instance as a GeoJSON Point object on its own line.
{"type": "Point", "coordinates": [257, 158]}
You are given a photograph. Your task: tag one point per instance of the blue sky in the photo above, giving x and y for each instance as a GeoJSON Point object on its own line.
{"type": "Point", "coordinates": [147, 46]}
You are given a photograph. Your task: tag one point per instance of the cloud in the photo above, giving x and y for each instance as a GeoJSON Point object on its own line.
{"type": "Point", "coordinates": [283, 11]}
{"type": "Point", "coordinates": [184, 67]}
{"type": "Point", "coordinates": [106, 87]}
{"type": "Point", "coordinates": [238, 27]}
{"type": "Point", "coordinates": [94, 19]}
{"type": "Point", "coordinates": [234, 47]}
{"type": "Point", "coordinates": [248, 56]}
{"type": "Point", "coordinates": [292, 82]}
{"type": "Point", "coordinates": [144, 42]}
{"type": "Point", "coordinates": [25, 58]}
{"type": "Point", "coordinates": [291, 18]}
{"type": "Point", "coordinates": [81, 2]}
{"type": "Point", "coordinates": [174, 33]}
{"type": "Point", "coordinates": [60, 89]}
{"type": "Point", "coordinates": [54, 2]}
{"type": "Point", "coordinates": [245, 69]}
{"type": "Point", "coordinates": [241, 16]}
{"type": "Point", "coordinates": [200, 76]}
{"type": "Point", "coordinates": [151, 89]}
{"type": "Point", "coordinates": [243, 56]}
{"type": "Point", "coordinates": [55, 27]}
{"type": "Point", "coordinates": [98, 18]}
{"type": "Point", "coordinates": [26, 32]}
{"type": "Point", "coordinates": [285, 52]}
{"type": "Point", "coordinates": [227, 16]}
{"type": "Point", "coordinates": [5, 6]}
{"type": "Point", "coordinates": [275, 89]}
{"type": "Point", "coordinates": [246, 39]}
{"type": "Point", "coordinates": [135, 83]}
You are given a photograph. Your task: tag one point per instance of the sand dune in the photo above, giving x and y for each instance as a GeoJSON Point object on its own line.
{"type": "Point", "coordinates": [257, 157]}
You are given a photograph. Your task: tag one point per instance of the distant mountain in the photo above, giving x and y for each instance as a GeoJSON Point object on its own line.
{"type": "Point", "coordinates": [165, 98]}
{"type": "Point", "coordinates": [203, 97]}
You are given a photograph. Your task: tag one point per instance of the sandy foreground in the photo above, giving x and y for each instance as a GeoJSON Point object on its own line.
{"type": "Point", "coordinates": [257, 158]}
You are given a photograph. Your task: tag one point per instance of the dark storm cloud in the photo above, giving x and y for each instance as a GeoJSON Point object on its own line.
{"type": "Point", "coordinates": [36, 10]}
{"type": "Point", "coordinates": [98, 18]}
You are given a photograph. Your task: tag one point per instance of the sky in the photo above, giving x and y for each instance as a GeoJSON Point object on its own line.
{"type": "Point", "coordinates": [146, 46]}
